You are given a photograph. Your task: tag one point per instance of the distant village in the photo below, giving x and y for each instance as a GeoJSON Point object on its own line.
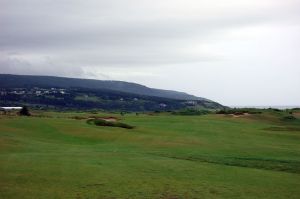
{"type": "Point", "coordinates": [62, 91]}
{"type": "Point", "coordinates": [32, 91]}
{"type": "Point", "coordinates": [76, 97]}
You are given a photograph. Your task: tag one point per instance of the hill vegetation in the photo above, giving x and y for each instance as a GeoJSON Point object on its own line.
{"type": "Point", "coordinates": [28, 81]}
{"type": "Point", "coordinates": [66, 93]}
{"type": "Point", "coordinates": [100, 99]}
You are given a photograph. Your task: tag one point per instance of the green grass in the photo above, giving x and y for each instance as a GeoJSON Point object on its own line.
{"type": "Point", "coordinates": [164, 156]}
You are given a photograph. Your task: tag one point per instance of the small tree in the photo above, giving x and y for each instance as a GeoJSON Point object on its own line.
{"type": "Point", "coordinates": [24, 111]}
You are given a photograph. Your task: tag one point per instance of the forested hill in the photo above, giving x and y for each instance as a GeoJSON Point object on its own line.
{"type": "Point", "coordinates": [21, 81]}
{"type": "Point", "coordinates": [71, 93]}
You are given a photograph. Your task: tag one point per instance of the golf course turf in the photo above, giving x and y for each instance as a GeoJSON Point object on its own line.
{"type": "Point", "coordinates": [164, 156]}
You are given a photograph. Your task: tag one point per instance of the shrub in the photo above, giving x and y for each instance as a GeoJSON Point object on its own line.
{"type": "Point", "coordinates": [275, 109]}
{"type": "Point", "coordinates": [78, 118]}
{"type": "Point", "coordinates": [100, 122]}
{"type": "Point", "coordinates": [239, 111]}
{"type": "Point", "coordinates": [24, 111]}
{"type": "Point", "coordinates": [289, 118]}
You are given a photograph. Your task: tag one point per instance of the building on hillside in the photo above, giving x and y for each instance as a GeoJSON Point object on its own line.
{"type": "Point", "coordinates": [191, 103]}
{"type": "Point", "coordinates": [162, 105]}
{"type": "Point", "coordinates": [10, 108]}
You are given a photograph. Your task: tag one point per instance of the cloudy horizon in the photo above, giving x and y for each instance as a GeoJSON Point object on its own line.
{"type": "Point", "coordinates": [238, 53]}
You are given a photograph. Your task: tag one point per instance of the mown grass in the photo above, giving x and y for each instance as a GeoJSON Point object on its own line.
{"type": "Point", "coordinates": [164, 156]}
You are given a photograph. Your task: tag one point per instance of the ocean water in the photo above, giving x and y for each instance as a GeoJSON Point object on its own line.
{"type": "Point", "coordinates": [265, 107]}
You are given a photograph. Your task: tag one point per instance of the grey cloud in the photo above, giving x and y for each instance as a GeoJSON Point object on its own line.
{"type": "Point", "coordinates": [84, 38]}
{"type": "Point", "coordinates": [40, 26]}
{"type": "Point", "coordinates": [15, 65]}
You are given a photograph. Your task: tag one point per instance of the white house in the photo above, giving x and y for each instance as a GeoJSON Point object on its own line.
{"type": "Point", "coordinates": [162, 105]}
{"type": "Point", "coordinates": [6, 108]}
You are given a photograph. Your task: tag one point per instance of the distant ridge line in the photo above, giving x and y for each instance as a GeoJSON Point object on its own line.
{"type": "Point", "coordinates": [11, 80]}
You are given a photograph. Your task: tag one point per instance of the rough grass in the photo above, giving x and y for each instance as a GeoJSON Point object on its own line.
{"type": "Point", "coordinates": [166, 156]}
{"type": "Point", "coordinates": [280, 128]}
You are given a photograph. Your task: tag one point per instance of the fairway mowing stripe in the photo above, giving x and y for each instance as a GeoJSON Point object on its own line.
{"type": "Point", "coordinates": [281, 166]}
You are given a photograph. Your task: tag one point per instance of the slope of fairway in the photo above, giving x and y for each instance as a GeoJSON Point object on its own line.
{"type": "Point", "coordinates": [164, 156]}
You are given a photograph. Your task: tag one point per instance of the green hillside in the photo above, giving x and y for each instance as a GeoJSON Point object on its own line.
{"type": "Point", "coordinates": [45, 92]}
{"type": "Point", "coordinates": [21, 81]}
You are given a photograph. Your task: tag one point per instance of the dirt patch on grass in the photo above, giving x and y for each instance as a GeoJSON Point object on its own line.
{"type": "Point", "coordinates": [239, 115]}
{"type": "Point", "coordinates": [296, 114]}
{"type": "Point", "coordinates": [109, 119]}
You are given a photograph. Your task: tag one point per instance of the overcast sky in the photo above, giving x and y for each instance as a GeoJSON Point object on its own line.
{"type": "Point", "coordinates": [236, 52]}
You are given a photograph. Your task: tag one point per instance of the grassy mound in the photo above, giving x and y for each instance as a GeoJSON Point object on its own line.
{"type": "Point", "coordinates": [239, 111]}
{"type": "Point", "coordinates": [101, 122]}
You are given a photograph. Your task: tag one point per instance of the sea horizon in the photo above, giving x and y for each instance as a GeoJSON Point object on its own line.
{"type": "Point", "coordinates": [271, 106]}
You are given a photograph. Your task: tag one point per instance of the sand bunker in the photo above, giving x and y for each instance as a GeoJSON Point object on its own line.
{"type": "Point", "coordinates": [239, 115]}
{"type": "Point", "coordinates": [107, 119]}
